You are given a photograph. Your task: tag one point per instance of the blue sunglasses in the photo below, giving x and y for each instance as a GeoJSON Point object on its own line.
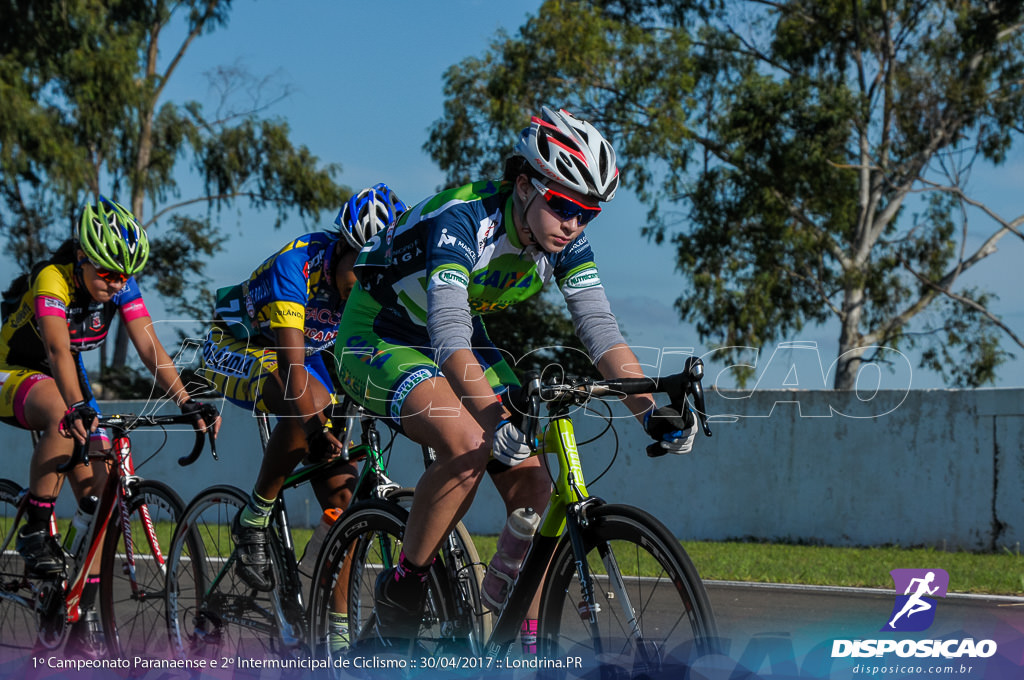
{"type": "Point", "coordinates": [565, 207]}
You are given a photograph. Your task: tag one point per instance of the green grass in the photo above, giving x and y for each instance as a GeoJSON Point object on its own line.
{"type": "Point", "coordinates": [994, 573]}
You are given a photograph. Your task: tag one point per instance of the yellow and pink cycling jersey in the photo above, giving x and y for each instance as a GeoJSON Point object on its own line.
{"type": "Point", "coordinates": [56, 290]}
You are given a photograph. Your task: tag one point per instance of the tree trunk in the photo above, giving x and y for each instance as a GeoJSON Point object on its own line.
{"type": "Point", "coordinates": [850, 350]}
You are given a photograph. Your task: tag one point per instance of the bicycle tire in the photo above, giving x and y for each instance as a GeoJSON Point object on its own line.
{"type": "Point", "coordinates": [673, 615]}
{"type": "Point", "coordinates": [211, 612]}
{"type": "Point", "coordinates": [133, 601]}
{"type": "Point", "coordinates": [17, 619]}
{"type": "Point", "coordinates": [370, 534]}
{"type": "Point", "coordinates": [468, 572]}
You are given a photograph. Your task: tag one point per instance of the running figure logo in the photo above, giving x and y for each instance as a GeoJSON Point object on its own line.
{"type": "Point", "coordinates": [914, 610]}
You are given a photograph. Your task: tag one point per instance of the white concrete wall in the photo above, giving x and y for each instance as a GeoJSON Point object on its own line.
{"type": "Point", "coordinates": [943, 468]}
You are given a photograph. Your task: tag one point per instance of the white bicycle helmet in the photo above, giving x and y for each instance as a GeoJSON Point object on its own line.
{"type": "Point", "coordinates": [368, 212]}
{"type": "Point", "coordinates": [571, 152]}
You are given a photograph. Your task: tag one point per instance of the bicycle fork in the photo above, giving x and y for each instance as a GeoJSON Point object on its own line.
{"type": "Point", "coordinates": [648, 656]}
{"type": "Point", "coordinates": [588, 607]}
{"type": "Point", "coordinates": [122, 445]}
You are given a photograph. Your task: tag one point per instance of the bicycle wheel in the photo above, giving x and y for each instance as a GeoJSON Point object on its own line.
{"type": "Point", "coordinates": [133, 591]}
{"type": "Point", "coordinates": [465, 577]}
{"type": "Point", "coordinates": [17, 598]}
{"type": "Point", "coordinates": [652, 612]}
{"type": "Point", "coordinates": [211, 612]}
{"type": "Point", "coordinates": [369, 539]}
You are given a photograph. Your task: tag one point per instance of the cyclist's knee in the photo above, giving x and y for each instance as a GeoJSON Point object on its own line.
{"type": "Point", "coordinates": [467, 467]}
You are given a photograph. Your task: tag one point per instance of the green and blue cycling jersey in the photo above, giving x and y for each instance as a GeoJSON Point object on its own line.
{"type": "Point", "coordinates": [426, 282]}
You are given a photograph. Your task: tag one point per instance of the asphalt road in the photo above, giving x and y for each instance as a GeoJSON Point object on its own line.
{"type": "Point", "coordinates": [789, 631]}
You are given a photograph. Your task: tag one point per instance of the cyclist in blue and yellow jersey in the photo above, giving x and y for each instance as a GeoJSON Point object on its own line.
{"type": "Point", "coordinates": [52, 315]}
{"type": "Point", "coordinates": [267, 354]}
{"type": "Point", "coordinates": [413, 348]}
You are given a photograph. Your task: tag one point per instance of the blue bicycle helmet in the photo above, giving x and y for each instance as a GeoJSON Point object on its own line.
{"type": "Point", "coordinates": [368, 212]}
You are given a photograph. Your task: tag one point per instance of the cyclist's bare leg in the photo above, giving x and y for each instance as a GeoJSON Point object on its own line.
{"type": "Point", "coordinates": [287, 445]}
{"type": "Point", "coordinates": [336, 491]}
{"type": "Point", "coordinates": [434, 416]}
{"type": "Point", "coordinates": [44, 409]}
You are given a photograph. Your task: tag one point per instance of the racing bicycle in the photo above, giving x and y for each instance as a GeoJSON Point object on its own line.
{"type": "Point", "coordinates": [128, 535]}
{"type": "Point", "coordinates": [619, 589]}
{"type": "Point", "coordinates": [211, 612]}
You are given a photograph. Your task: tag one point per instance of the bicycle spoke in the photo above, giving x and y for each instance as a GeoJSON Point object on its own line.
{"type": "Point", "coordinates": [211, 611]}
{"type": "Point", "coordinates": [133, 572]}
{"type": "Point", "coordinates": [651, 609]}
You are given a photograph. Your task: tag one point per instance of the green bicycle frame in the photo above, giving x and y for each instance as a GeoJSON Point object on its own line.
{"type": "Point", "coordinates": [568, 500]}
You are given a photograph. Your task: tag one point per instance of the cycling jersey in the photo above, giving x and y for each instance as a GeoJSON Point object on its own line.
{"type": "Point", "coordinates": [57, 290]}
{"type": "Point", "coordinates": [426, 282]}
{"type": "Point", "coordinates": [293, 288]}
{"type": "Point", "coordinates": [462, 239]}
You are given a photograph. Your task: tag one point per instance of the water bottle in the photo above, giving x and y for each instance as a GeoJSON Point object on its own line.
{"type": "Point", "coordinates": [512, 546]}
{"type": "Point", "coordinates": [327, 520]}
{"type": "Point", "coordinates": [80, 524]}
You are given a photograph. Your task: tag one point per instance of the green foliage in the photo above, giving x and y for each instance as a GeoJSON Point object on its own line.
{"type": "Point", "coordinates": [796, 138]}
{"type": "Point", "coordinates": [82, 113]}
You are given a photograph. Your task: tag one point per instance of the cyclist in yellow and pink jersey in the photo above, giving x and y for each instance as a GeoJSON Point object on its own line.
{"type": "Point", "coordinates": [266, 354]}
{"type": "Point", "coordinates": [414, 350]}
{"type": "Point", "coordinates": [62, 308]}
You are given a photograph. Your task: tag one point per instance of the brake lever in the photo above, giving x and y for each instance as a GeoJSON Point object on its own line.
{"type": "Point", "coordinates": [79, 455]}
{"type": "Point", "coordinates": [694, 368]}
{"type": "Point", "coordinates": [524, 407]}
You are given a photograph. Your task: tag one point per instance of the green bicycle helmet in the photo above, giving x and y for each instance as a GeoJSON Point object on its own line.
{"type": "Point", "coordinates": [111, 238]}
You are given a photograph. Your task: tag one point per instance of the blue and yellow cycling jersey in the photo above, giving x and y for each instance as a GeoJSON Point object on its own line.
{"type": "Point", "coordinates": [463, 237]}
{"type": "Point", "coordinates": [293, 288]}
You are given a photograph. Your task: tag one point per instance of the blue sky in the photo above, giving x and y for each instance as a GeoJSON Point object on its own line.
{"type": "Point", "coordinates": [367, 81]}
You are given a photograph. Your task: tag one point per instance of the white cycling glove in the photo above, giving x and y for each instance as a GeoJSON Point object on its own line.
{"type": "Point", "coordinates": [510, 445]}
{"type": "Point", "coordinates": [668, 427]}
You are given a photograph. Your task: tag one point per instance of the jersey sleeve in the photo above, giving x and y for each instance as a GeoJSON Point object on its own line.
{"type": "Point", "coordinates": [575, 269]}
{"type": "Point", "coordinates": [451, 249]}
{"type": "Point", "coordinates": [129, 301]}
{"type": "Point", "coordinates": [288, 279]}
{"type": "Point", "coordinates": [51, 292]}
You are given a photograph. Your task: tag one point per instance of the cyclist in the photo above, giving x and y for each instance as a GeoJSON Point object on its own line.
{"type": "Point", "coordinates": [59, 310]}
{"type": "Point", "coordinates": [267, 354]}
{"type": "Point", "coordinates": [414, 350]}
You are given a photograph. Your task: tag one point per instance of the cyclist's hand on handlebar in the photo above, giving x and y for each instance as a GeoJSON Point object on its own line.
{"type": "Point", "coordinates": [510, 446]}
{"type": "Point", "coordinates": [205, 416]}
{"type": "Point", "coordinates": [674, 431]}
{"type": "Point", "coordinates": [322, 445]}
{"type": "Point", "coordinates": [78, 421]}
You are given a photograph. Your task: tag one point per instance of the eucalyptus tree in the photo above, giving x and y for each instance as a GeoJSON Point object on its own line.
{"type": "Point", "coordinates": [809, 160]}
{"type": "Point", "coordinates": [85, 110]}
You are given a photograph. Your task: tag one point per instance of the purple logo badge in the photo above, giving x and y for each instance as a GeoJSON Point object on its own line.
{"type": "Point", "coordinates": [916, 590]}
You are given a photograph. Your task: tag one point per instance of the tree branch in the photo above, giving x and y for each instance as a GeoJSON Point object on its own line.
{"type": "Point", "coordinates": [201, 199]}
{"type": "Point", "coordinates": [973, 304]}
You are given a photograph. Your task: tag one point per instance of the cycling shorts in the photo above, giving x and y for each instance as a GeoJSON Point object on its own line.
{"type": "Point", "coordinates": [239, 369]}
{"type": "Point", "coordinates": [15, 384]}
{"type": "Point", "coordinates": [381, 358]}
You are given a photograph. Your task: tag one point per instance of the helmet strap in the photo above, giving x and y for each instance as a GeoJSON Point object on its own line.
{"type": "Point", "coordinates": [525, 223]}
